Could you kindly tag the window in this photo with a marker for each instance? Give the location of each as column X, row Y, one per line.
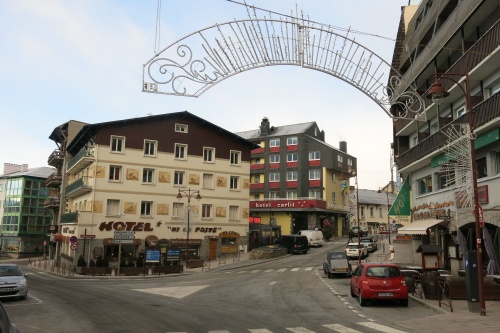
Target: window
column 146, row 208
column 180, row 151
column 274, row 143
column 178, row 210
column 482, row 169
column 380, row 212
column 372, row 212
column 206, row 211
column 274, row 158
column 362, row 213
column 334, row 177
column 497, row 161
column 315, row 194
column 495, row 88
column 274, row 177
column 292, row 141
column 117, row 144
column 235, row 157
column 349, row 161
column 255, row 179
column 113, row 207
column 460, row 111
column 234, row 182
column 434, row 127
column 314, row 155
column 274, row 195
column 292, row 176
column 340, row 158
column 149, row 148
column 314, row 174
column 334, row 197
column 424, row 185
column 181, row 128
column 148, row 175
column 208, row 154
column 208, row 180
column 292, row 157
column 115, row 173
column 234, row 213
column 179, row 178
column 443, row 178
column 291, row 194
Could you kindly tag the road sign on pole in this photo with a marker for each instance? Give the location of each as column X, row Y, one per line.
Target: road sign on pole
column 123, row 241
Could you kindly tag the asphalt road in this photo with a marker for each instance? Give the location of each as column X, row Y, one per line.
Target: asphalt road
column 291, row 294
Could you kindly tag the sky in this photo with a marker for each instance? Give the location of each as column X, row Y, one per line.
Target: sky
column 67, row 60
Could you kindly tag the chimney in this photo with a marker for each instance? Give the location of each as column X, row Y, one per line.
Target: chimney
column 343, row 146
column 264, row 126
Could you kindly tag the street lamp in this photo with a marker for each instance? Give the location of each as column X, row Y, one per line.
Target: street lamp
column 188, row 194
column 353, row 173
column 388, row 208
column 436, row 94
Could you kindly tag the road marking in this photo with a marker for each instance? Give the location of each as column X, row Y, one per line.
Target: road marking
column 295, row 269
column 299, row 330
column 261, row 330
column 381, row 328
column 309, row 268
column 274, row 282
column 269, row 270
column 341, row 328
column 281, row 270
column 218, row 331
column 175, row 292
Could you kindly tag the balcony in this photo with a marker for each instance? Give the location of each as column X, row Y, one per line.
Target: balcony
column 54, row 180
column 256, row 186
column 51, row 202
column 257, row 166
column 69, row 218
column 56, row 158
column 80, row 161
column 78, row 188
column 485, row 112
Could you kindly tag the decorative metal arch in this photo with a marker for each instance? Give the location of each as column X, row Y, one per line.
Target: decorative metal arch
column 223, row 50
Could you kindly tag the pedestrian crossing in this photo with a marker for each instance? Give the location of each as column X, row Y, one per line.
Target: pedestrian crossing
column 271, row 270
column 360, row 327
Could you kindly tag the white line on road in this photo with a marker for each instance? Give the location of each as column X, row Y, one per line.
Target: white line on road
column 281, row 270
column 262, row 330
column 341, row 328
column 308, row 268
column 295, row 269
column 381, row 328
column 269, row 270
column 274, row 282
column 299, row 330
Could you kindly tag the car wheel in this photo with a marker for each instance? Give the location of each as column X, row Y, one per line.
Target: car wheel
column 352, row 293
column 330, row 275
column 362, row 301
column 404, row 302
column 23, row 297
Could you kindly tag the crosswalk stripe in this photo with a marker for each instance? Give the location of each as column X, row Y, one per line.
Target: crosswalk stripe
column 255, row 271
column 381, row 328
column 309, row 268
column 260, row 330
column 269, row 270
column 281, row 270
column 218, row 331
column 341, row 328
column 295, row 269
column 299, row 330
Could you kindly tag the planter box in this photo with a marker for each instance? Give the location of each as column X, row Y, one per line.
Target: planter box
column 94, row 270
column 167, row 269
column 132, row 271
column 491, row 291
column 193, row 263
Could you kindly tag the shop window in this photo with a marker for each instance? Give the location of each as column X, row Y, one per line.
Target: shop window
column 482, row 169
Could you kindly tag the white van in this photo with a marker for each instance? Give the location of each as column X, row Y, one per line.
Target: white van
column 315, row 237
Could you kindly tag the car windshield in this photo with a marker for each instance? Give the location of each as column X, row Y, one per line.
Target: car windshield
column 10, row 271
column 383, row 272
column 366, row 241
column 334, row 256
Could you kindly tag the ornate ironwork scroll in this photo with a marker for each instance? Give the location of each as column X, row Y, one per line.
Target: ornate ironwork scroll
column 197, row 62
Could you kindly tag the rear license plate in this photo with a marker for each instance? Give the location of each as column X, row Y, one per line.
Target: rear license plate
column 341, row 269
column 385, row 294
column 7, row 289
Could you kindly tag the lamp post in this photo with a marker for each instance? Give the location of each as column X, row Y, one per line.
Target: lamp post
column 353, row 173
column 437, row 93
column 188, row 194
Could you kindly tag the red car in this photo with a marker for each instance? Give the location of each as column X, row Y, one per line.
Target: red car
column 379, row 281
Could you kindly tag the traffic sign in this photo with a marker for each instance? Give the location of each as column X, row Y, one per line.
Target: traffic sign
column 73, row 246
column 87, row 236
column 124, row 237
column 73, row 239
column 152, row 255
column 124, row 241
column 124, row 233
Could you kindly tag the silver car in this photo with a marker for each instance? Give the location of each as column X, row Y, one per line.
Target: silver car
column 12, row 282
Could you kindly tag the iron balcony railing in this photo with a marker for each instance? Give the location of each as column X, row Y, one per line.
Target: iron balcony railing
column 80, row 161
column 69, row 217
column 78, row 187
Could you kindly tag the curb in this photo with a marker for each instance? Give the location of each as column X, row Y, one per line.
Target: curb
column 434, row 308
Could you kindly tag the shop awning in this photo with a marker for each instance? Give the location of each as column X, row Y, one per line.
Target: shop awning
column 418, row 227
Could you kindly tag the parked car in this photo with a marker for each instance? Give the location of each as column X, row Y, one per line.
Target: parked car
column 356, row 250
column 371, row 243
column 12, row 282
column 378, row 281
column 336, row 263
column 362, row 233
column 294, row 243
column 315, row 237
column 6, row 326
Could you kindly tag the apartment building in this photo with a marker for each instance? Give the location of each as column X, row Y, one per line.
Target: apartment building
column 457, row 41
column 25, row 223
column 172, row 180
column 297, row 181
